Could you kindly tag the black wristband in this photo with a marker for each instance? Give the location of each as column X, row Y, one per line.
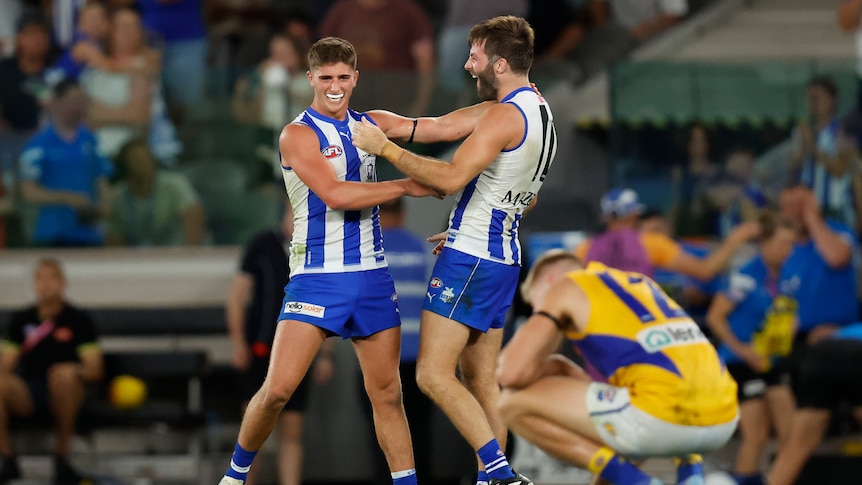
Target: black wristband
column 552, row 318
column 413, row 133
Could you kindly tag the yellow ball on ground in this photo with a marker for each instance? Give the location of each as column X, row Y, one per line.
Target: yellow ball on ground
column 127, row 392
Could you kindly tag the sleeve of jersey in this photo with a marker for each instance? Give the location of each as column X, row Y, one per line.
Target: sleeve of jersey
column 661, row 250
column 30, row 162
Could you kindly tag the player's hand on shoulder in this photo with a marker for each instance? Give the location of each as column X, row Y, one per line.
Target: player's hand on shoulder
column 368, row 137
column 415, row 189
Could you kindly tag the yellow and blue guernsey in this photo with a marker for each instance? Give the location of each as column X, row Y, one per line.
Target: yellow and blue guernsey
column 642, row 340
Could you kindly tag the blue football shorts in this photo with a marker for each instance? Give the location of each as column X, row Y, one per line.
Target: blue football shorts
column 351, row 305
column 473, row 291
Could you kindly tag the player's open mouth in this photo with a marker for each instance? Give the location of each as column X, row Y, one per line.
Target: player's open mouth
column 335, row 97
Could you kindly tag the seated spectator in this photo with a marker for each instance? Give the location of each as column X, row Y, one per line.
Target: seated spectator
column 819, row 274
column 395, row 41
column 91, row 33
column 754, row 324
column 692, row 214
column 822, row 157
column 829, row 377
column 623, row 246
column 153, row 206
column 735, row 194
column 64, row 174
column 181, row 29
column 123, row 87
column 21, row 83
column 50, row 352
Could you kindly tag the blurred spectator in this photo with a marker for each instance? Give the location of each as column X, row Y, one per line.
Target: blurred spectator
column 828, row 380
column 850, row 20
column 407, row 256
column 278, row 90
column 10, row 11
column 238, row 30
column 91, row 32
column 735, row 194
column 558, row 28
column 624, row 247
column 50, row 352
column 754, row 325
column 7, row 205
column 691, row 293
column 63, row 172
column 64, row 15
column 452, row 44
column 642, row 20
column 180, row 26
column 691, row 214
column 819, row 273
column 395, row 41
column 272, row 96
column 126, row 98
column 21, row 83
column 252, row 308
column 299, row 25
column 828, row 163
column 153, row 206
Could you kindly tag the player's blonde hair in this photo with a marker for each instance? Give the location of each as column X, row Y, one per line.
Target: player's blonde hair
column 506, row 37
column 331, row 50
column 546, row 260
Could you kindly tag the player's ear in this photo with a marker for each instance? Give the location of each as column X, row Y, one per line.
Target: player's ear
column 308, row 75
column 355, row 76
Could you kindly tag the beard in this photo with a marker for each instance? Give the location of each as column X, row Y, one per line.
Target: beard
column 488, row 85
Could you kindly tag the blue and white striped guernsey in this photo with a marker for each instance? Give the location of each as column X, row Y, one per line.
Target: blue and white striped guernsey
column 327, row 240
column 484, row 222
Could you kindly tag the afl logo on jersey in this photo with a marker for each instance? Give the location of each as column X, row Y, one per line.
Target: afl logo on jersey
column 332, row 151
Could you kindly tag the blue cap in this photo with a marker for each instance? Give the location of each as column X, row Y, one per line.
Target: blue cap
column 621, row 203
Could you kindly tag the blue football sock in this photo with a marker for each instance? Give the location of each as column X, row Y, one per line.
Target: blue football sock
column 496, row 464
column 691, row 466
column 240, row 463
column 753, row 479
column 406, row 477
column 612, row 468
column 481, row 478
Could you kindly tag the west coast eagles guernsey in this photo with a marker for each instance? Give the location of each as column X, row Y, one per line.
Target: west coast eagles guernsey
column 327, row 240
column 484, row 222
column 642, row 340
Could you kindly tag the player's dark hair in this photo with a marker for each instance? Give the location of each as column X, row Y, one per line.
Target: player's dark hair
column 331, row 50
column 506, row 37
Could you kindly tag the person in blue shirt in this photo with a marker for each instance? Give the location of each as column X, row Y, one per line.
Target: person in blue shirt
column 408, row 258
column 91, row 33
column 829, row 376
column 62, row 172
column 739, row 316
column 819, row 274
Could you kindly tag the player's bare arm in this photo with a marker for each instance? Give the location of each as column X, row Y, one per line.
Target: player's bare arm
column 449, row 127
column 501, row 127
column 525, row 359
column 299, row 149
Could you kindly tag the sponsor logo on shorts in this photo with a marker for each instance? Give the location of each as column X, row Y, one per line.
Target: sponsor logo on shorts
column 436, row 282
column 430, row 296
column 448, row 295
column 607, row 395
column 304, row 309
column 660, row 337
column 332, row 151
